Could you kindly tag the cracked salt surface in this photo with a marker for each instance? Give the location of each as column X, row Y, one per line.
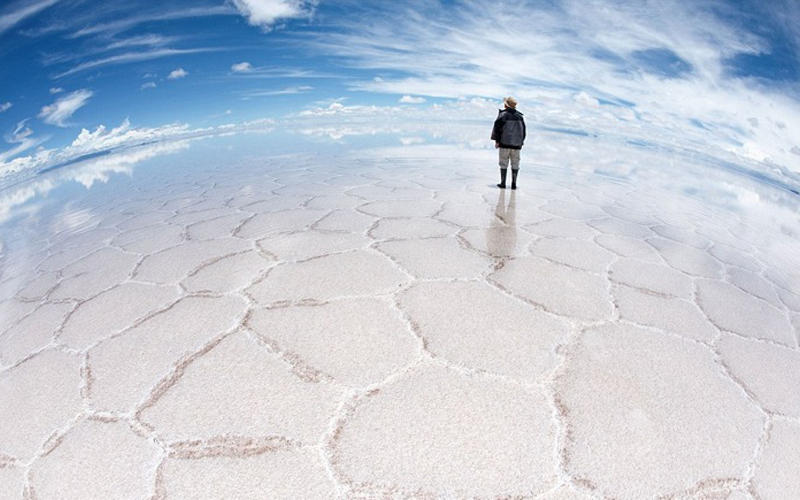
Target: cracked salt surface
column 380, row 324
column 446, row 435
column 773, row 478
column 558, row 288
column 125, row 462
column 281, row 473
column 622, row 396
column 356, row 342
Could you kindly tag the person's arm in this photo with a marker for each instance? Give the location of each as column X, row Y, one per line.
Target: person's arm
column 497, row 130
column 523, row 130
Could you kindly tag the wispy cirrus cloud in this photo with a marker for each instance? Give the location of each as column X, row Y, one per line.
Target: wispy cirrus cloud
column 22, row 136
column 21, row 132
column 102, row 45
column 670, row 61
column 147, row 40
column 273, row 92
column 5, row 106
column 131, row 57
column 265, row 13
column 63, row 108
column 575, row 43
column 245, row 70
column 131, row 21
column 19, row 11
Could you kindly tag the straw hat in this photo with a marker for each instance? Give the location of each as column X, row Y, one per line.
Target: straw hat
column 510, row 102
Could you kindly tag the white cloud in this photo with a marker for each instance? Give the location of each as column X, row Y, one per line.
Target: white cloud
column 56, row 90
column 407, row 99
column 22, row 136
column 271, row 92
column 177, row 73
column 5, row 106
column 242, row 67
column 265, row 73
column 265, row 13
column 411, row 124
column 87, row 173
column 554, row 118
column 103, row 139
column 127, row 23
column 20, row 11
column 83, row 53
column 586, row 100
column 61, row 110
column 20, row 133
column 148, row 85
column 134, row 57
column 148, row 40
column 453, row 51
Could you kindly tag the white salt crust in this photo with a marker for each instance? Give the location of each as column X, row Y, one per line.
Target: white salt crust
column 379, row 330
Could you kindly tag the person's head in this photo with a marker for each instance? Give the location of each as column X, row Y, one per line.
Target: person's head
column 510, row 102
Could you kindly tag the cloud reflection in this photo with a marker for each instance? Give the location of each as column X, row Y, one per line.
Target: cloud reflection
column 87, row 173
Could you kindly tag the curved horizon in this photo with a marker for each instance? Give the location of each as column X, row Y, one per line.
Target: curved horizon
column 719, row 76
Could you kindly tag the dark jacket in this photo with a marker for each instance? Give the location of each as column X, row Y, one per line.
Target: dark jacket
column 509, row 129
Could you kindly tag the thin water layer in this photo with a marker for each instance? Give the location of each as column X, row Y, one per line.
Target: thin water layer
column 235, row 315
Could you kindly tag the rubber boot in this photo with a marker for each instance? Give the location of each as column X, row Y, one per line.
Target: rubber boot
column 513, row 178
column 503, row 172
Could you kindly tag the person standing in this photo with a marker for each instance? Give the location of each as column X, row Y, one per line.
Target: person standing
column 508, row 135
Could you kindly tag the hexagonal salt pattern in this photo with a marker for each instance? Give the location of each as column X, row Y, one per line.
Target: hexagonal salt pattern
column 39, row 397
column 558, row 288
column 214, row 396
column 658, row 400
column 130, row 302
column 125, row 368
column 34, row 332
column 439, row 430
column 776, row 477
column 770, row 372
column 483, row 328
column 96, row 459
column 328, row 337
column 735, row 310
column 372, row 329
column 436, row 258
column 360, row 272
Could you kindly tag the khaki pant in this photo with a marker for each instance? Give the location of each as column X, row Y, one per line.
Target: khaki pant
column 509, row 154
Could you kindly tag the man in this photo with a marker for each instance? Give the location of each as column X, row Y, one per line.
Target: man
column 508, row 135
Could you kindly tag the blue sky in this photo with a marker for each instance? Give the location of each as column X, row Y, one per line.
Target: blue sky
column 69, row 65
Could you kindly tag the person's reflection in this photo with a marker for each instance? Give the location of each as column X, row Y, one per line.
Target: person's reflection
column 501, row 235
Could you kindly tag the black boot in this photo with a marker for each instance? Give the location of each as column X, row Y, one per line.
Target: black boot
column 503, row 172
column 513, row 178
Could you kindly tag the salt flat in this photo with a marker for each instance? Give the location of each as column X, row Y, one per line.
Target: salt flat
column 394, row 325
